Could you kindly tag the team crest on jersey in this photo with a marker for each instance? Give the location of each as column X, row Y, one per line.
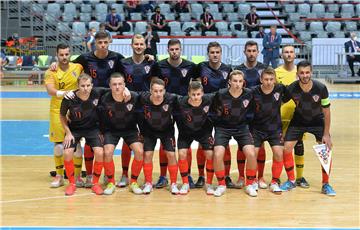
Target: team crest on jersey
column 246, row 103
column 129, row 106
column 206, row 109
column 147, row 69
column 277, row 96
column 95, row 102
column 165, row 107
column 316, row 98
column 111, row 64
column 184, row 72
column 225, row 74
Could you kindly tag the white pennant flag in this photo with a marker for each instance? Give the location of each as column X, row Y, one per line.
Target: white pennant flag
column 324, row 155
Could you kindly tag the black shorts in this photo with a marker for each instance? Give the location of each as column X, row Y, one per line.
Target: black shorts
column 92, row 137
column 295, row 133
column 205, row 139
column 241, row 135
column 129, row 137
column 274, row 138
column 167, row 140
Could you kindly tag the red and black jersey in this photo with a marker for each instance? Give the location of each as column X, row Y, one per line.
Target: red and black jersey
column 192, row 119
column 251, row 75
column 156, row 118
column 100, row 69
column 213, row 79
column 177, row 78
column 138, row 76
column 230, row 112
column 83, row 114
column 267, row 116
column 118, row 116
column 308, row 111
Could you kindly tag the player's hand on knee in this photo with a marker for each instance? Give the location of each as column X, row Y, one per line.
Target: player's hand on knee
column 69, row 95
column 68, row 140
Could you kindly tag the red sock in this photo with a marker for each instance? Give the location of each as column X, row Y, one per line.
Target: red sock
column 109, row 169
column 250, row 176
column 289, row 165
column 163, row 161
column 189, row 159
column 220, row 175
column 173, row 170
column 241, row 159
column 276, row 170
column 200, row 158
column 69, row 168
column 209, row 171
column 89, row 158
column 148, row 168
column 183, row 167
column 135, row 169
column 125, row 159
column 261, row 161
column 97, row 171
column 227, row 161
column 325, row 176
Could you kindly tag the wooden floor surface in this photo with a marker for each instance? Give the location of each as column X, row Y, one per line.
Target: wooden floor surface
column 26, row 199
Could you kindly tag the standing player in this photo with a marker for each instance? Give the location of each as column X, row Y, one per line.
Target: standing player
column 138, row 71
column 286, row 74
column 157, row 122
column 118, row 120
column 230, row 107
column 194, row 125
column 252, row 70
column 312, row 114
column 214, row 76
column 176, row 73
column 84, row 123
column 266, row 125
column 57, row 82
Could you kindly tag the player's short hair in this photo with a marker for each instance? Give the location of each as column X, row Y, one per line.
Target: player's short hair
column 251, row 43
column 195, row 85
column 102, row 25
column 213, row 44
column 61, row 46
column 287, row 45
column 84, row 76
column 136, row 36
column 173, row 41
column 252, row 7
column 101, row 35
column 157, row 81
column 117, row 75
column 269, row 71
column 235, row 72
column 303, row 64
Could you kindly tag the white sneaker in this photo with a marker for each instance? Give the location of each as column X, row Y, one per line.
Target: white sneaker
column 255, row 185
column 147, row 188
column 57, row 182
column 262, row 184
column 110, row 189
column 185, row 189
column 124, row 181
column 220, row 190
column 250, row 190
column 88, row 182
column 209, row 189
column 275, row 188
column 134, row 187
column 240, row 183
column 174, row 189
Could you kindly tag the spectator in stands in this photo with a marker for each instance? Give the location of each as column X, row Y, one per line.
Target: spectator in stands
column 252, row 21
column 102, row 28
column 271, row 44
column 207, row 22
column 13, row 40
column 261, row 33
column 151, row 38
column 132, row 6
column 114, row 23
column 90, row 39
column 158, row 21
column 353, row 48
column 181, row 6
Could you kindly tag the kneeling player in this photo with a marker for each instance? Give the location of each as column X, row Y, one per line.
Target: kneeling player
column 194, row 125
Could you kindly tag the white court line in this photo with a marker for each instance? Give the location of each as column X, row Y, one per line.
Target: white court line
column 235, row 170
